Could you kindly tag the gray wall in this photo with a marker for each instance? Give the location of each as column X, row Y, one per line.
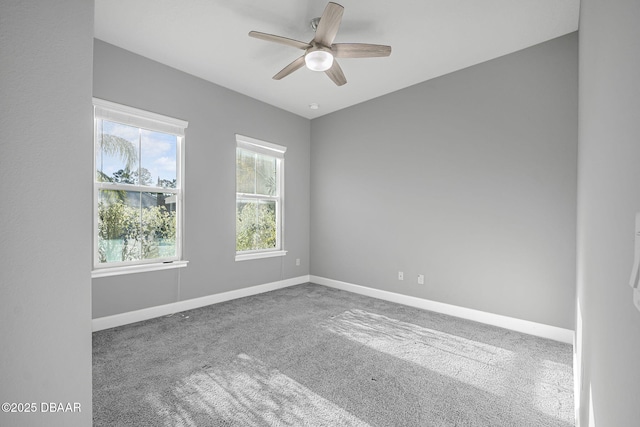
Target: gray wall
column 45, row 130
column 215, row 115
column 469, row 179
column 608, row 198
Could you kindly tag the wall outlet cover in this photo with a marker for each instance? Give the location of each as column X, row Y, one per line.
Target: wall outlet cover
column 636, row 298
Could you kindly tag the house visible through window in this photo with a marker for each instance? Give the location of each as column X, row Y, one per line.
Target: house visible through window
column 259, row 198
column 137, row 187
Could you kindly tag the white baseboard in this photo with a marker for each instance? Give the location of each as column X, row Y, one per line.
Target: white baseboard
column 524, row 326
column 176, row 307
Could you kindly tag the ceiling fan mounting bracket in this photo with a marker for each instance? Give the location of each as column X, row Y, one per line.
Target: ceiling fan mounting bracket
column 314, row 23
column 317, row 46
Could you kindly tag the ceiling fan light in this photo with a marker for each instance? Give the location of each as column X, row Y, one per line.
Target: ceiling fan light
column 318, row 60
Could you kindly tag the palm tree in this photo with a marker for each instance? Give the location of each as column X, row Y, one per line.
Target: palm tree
column 116, row 146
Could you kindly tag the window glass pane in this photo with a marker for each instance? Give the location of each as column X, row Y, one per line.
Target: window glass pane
column 116, row 152
column 136, row 226
column 245, row 171
column 158, row 159
column 255, row 225
column 266, row 234
column 118, row 226
column 266, row 175
column 245, row 222
column 158, row 236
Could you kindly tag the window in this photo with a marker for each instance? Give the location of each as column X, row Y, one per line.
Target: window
column 259, row 198
column 137, row 190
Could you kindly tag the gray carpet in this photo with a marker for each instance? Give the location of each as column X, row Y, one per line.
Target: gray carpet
column 309, row 355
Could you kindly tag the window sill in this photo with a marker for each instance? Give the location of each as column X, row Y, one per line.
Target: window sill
column 129, row 269
column 259, row 255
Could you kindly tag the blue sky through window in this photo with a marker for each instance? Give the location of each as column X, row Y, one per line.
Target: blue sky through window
column 156, row 151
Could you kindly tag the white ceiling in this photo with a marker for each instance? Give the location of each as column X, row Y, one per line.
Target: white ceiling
column 429, row 38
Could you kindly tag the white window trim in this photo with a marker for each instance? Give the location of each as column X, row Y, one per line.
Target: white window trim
column 139, row 118
column 112, row 111
column 275, row 150
column 141, row 268
column 245, row 256
column 263, row 147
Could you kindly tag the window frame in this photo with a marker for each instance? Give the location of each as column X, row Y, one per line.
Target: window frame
column 277, row 151
column 130, row 116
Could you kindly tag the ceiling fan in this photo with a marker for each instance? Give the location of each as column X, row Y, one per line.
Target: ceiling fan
column 320, row 52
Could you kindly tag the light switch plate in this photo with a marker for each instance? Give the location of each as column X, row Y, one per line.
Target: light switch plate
column 636, row 298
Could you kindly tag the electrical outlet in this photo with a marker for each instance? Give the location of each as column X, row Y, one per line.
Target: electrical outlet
column 297, row 261
column 636, row 298
column 420, row 279
column 400, row 275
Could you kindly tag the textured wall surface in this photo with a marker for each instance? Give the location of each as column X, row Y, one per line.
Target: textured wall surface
column 469, row 179
column 45, row 166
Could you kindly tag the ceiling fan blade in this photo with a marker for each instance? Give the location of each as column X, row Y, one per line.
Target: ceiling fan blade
column 360, row 50
column 335, row 73
column 329, row 24
column 279, row 39
column 295, row 65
